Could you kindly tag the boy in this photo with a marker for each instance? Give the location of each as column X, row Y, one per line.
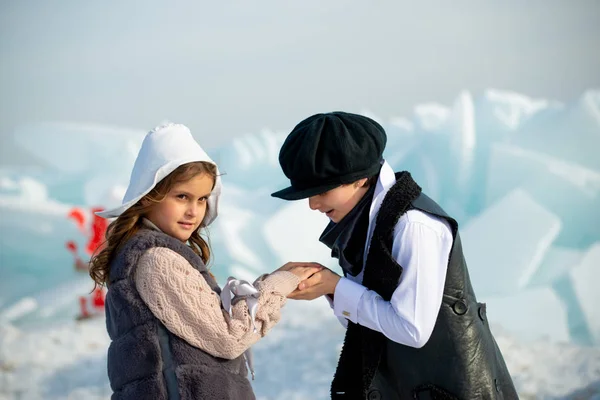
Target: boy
column 414, row 327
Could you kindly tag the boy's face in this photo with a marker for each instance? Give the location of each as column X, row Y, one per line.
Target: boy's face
column 181, row 212
column 337, row 203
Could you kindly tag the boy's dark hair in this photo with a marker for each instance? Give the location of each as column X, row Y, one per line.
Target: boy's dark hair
column 372, row 181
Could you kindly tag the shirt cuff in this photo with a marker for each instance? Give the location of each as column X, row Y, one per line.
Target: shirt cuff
column 346, row 300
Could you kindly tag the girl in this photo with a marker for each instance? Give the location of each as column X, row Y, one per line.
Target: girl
column 171, row 337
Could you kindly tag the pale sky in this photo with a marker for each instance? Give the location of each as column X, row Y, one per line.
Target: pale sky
column 233, row 67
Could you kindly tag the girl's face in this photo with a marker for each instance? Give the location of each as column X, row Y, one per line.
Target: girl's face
column 182, row 210
column 338, row 202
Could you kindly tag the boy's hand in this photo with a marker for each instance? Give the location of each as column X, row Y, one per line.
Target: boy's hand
column 302, row 270
column 322, row 282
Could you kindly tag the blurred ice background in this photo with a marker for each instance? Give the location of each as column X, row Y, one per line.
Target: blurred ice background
column 519, row 169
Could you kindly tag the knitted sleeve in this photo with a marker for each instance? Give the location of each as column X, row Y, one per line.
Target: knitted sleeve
column 182, row 300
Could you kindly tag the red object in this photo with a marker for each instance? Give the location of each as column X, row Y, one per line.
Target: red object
column 79, row 264
column 78, row 216
column 83, row 307
column 99, row 226
column 95, row 234
column 98, row 298
column 72, row 247
column 95, row 239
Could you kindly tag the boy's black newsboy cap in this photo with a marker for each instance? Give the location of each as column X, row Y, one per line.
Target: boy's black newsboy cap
column 328, row 150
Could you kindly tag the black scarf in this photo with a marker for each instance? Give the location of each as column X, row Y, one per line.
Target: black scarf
column 363, row 347
column 346, row 239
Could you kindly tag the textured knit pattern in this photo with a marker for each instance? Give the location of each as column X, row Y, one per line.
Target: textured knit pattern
column 182, row 300
column 145, row 360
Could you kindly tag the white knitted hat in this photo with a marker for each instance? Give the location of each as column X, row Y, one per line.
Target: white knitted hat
column 164, row 148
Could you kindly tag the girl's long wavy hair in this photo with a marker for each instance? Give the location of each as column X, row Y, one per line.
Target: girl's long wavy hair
column 129, row 222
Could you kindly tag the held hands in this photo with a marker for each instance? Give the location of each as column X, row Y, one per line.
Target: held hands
column 322, row 282
column 302, row 270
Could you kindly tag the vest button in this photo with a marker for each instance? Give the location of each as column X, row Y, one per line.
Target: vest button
column 497, row 384
column 460, row 307
column 374, row 395
column 481, row 312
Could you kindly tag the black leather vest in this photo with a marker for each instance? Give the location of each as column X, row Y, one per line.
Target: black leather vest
column 461, row 360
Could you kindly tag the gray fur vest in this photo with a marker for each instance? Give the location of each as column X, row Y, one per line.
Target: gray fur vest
column 145, row 360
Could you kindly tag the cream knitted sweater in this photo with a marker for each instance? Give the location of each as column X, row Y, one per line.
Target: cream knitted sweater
column 182, row 300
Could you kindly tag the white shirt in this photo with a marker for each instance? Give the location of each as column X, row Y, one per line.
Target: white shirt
column 422, row 245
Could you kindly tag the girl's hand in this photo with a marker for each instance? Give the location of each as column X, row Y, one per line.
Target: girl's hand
column 323, row 282
column 302, row 270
